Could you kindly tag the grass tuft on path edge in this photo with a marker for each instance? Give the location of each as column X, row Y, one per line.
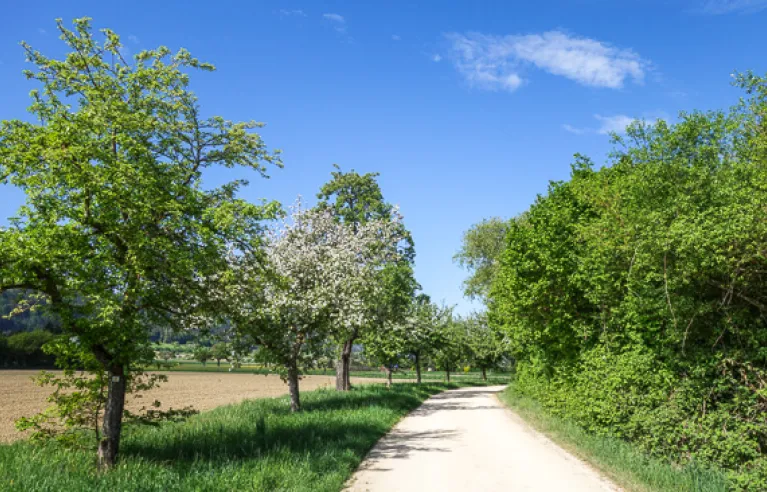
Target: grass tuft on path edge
column 253, row 445
column 618, row 460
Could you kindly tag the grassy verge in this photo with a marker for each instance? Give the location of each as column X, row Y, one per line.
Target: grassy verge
column 626, row 465
column 253, row 445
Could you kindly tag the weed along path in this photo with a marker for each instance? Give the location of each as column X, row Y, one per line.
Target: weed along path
column 467, row 440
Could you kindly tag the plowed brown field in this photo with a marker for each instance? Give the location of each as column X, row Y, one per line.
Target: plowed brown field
column 20, row 396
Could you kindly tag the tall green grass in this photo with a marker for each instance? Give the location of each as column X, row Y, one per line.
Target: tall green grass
column 253, row 445
column 619, row 460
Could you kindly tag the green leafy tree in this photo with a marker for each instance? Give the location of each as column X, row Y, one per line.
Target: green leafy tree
column 486, row 348
column 423, row 333
column 317, row 275
column 481, row 249
column 451, row 345
column 633, row 295
column 355, row 200
column 117, row 234
column 26, row 348
column 221, row 351
column 202, row 354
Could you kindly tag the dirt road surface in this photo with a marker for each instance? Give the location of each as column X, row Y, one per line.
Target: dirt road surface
column 466, row 440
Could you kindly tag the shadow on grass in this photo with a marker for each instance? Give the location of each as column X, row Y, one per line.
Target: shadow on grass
column 330, row 424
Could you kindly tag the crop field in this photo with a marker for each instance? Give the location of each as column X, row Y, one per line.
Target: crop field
column 20, row 396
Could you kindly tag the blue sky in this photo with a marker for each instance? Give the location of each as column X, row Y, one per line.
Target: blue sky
column 467, row 109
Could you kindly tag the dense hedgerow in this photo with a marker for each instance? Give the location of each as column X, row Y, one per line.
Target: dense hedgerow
column 635, row 296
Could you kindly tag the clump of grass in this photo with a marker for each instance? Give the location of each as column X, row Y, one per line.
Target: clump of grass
column 622, row 462
column 253, row 445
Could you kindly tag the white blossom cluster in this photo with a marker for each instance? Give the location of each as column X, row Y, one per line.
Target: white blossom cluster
column 318, row 276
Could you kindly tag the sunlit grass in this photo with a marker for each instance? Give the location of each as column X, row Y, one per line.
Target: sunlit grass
column 254, row 445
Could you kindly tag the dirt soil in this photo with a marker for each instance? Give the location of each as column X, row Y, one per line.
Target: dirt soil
column 465, row 439
column 19, row 396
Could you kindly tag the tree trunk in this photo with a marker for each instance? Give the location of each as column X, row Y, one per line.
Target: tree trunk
column 109, row 445
column 388, row 376
column 447, row 373
column 417, row 369
column 218, row 362
column 295, row 400
column 484, row 374
column 342, row 367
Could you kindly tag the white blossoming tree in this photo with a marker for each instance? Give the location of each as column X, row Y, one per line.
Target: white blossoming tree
column 317, row 276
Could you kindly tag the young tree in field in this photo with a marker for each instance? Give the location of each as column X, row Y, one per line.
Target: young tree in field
column 480, row 254
column 316, row 276
column 386, row 346
column 203, row 355
column 423, row 334
column 220, row 351
column 451, row 345
column 117, row 233
column 485, row 346
column 355, row 200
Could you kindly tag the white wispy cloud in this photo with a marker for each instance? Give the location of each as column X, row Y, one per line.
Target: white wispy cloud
column 576, row 130
column 338, row 20
column 335, row 18
column 497, row 62
column 607, row 124
column 613, row 124
column 395, row 37
column 41, row 30
column 297, row 12
column 718, row 7
column 436, row 58
column 133, row 39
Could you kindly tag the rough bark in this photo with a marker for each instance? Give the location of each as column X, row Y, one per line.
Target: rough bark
column 295, row 399
column 388, row 377
column 109, row 446
column 342, row 366
column 447, row 374
column 484, row 374
column 417, row 368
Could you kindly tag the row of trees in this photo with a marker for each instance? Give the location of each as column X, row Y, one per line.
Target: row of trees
column 633, row 296
column 118, row 240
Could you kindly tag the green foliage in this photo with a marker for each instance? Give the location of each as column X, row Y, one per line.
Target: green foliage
column 202, row 354
column 25, row 349
column 622, row 462
column 80, row 395
column 481, row 250
column 633, row 296
column 220, row 351
column 486, row 348
column 451, row 347
column 117, row 235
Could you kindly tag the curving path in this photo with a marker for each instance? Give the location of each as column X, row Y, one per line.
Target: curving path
column 466, row 440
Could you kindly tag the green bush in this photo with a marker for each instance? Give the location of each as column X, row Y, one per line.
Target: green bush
column 634, row 297
column 25, row 350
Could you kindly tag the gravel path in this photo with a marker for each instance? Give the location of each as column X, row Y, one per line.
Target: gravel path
column 466, row 440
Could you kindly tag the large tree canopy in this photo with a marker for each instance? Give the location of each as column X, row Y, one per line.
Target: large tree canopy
column 355, row 200
column 316, row 279
column 480, row 254
column 117, row 233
